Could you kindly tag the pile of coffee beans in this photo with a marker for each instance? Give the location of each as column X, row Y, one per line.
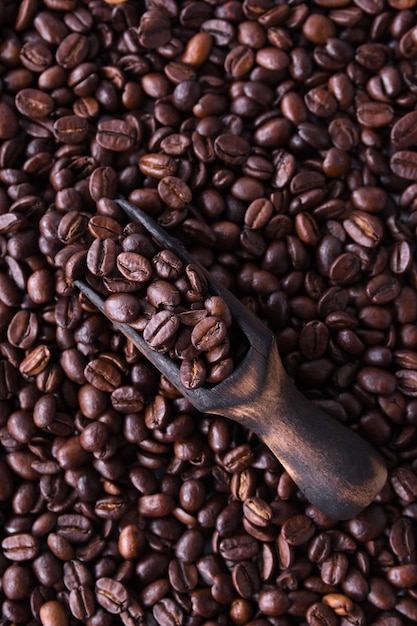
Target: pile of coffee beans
column 277, row 140
column 167, row 301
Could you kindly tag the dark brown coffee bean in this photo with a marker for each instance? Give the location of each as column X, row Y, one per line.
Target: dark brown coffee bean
column 103, row 375
column 208, row 334
column 319, row 613
column 116, row 135
column 53, row 612
column 192, row 373
column 103, row 183
column 297, row 530
column 122, row 307
column 404, row 131
column 334, row 568
column 320, row 102
column 71, row 129
column 104, row 227
column 127, row 399
column 36, row 361
column 20, row 547
column 314, row 339
column 72, row 51
column 157, row 165
column 156, row 505
column 383, row 289
column 154, row 29
column 174, row 192
column 111, row 595
column 364, row 229
column 23, row 329
column 245, row 579
column 167, row 612
column 34, row 103
column 101, row 257
column 374, row 114
column 182, row 576
column 257, row 511
column 134, row 266
column 404, row 164
column 407, row 382
column 231, row 149
column 238, row 548
column 161, row 330
column 273, row 602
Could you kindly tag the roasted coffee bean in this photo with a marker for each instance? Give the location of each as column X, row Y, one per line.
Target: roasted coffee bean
column 122, row 307
column 297, row 530
column 20, row 547
column 71, row 129
column 374, row 114
column 101, row 257
column 174, row 192
column 238, row 548
column 53, row 612
column 111, row 595
column 72, row 51
column 320, row 613
column 208, row 333
column 161, row 330
column 404, row 131
column 116, row 135
column 404, row 164
column 134, row 266
column 103, row 375
column 33, row 103
column 157, row 165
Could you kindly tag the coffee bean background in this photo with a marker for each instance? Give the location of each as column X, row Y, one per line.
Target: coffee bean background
column 277, row 140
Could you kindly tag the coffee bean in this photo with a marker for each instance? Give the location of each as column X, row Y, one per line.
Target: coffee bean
column 20, row 547
column 374, row 114
column 192, row 373
column 122, row 307
column 403, row 131
column 297, row 530
column 156, row 505
column 54, row 613
column 103, row 183
column 364, row 229
column 104, row 227
column 72, row 50
column 111, row 595
column 161, row 330
column 403, row 164
column 102, row 374
column 157, row 165
column 238, row 548
column 33, row 103
column 101, row 257
column 231, row 149
column 208, row 333
column 71, row 129
column 154, row 29
column 320, row 613
column 116, row 135
column 274, row 602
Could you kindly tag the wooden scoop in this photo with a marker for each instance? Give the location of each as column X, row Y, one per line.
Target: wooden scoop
column 337, row 471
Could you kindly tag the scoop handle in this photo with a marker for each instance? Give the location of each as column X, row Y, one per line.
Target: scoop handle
column 336, row 469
